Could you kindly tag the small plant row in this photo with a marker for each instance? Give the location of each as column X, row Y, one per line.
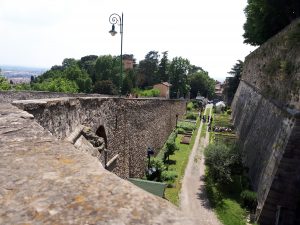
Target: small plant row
column 158, row 167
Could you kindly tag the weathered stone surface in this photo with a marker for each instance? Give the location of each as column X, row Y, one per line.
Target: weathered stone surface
column 47, row 181
column 9, row 96
column 274, row 68
column 131, row 125
column 266, row 109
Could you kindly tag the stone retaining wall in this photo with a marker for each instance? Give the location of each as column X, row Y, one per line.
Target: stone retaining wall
column 9, row 96
column 131, row 125
column 265, row 111
column 47, row 181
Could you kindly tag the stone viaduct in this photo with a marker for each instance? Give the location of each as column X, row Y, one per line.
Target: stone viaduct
column 54, row 150
column 266, row 114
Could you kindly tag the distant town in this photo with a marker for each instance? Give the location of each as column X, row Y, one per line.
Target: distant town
column 19, row 74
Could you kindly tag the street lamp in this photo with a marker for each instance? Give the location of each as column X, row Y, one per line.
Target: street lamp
column 150, row 152
column 117, row 19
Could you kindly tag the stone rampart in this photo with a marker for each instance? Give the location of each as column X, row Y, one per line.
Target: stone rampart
column 9, row 96
column 48, row 181
column 131, row 125
column 264, row 111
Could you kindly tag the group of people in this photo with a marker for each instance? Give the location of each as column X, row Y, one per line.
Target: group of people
column 205, row 118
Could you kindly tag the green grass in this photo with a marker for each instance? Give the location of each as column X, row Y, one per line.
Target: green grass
column 225, row 201
column 179, row 162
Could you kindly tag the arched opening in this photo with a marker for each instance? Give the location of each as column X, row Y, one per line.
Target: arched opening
column 101, row 133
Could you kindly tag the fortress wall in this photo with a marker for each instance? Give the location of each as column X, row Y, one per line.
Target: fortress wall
column 131, row 125
column 9, row 96
column 48, row 181
column 264, row 111
column 263, row 130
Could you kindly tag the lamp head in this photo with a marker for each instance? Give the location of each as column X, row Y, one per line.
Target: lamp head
column 112, row 31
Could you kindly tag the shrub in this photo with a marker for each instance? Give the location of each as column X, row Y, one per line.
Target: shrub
column 171, row 145
column 180, row 131
column 169, row 176
column 156, row 168
column 148, row 93
column 186, row 126
column 191, row 116
column 223, row 162
column 190, row 106
column 229, row 111
column 249, row 199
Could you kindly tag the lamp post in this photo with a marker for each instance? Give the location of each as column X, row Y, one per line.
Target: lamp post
column 149, row 153
column 117, row 19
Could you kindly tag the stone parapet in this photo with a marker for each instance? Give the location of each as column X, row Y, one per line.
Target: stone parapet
column 131, row 125
column 45, row 180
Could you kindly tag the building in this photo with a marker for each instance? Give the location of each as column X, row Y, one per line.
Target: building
column 164, row 89
column 128, row 62
column 219, row 90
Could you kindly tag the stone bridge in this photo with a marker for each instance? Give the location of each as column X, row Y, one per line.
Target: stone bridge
column 48, row 171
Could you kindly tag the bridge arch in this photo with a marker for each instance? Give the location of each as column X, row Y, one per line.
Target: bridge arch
column 101, row 133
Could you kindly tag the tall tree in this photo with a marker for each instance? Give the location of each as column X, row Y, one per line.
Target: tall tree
column 148, row 70
column 107, row 67
column 233, row 82
column 88, row 63
column 200, row 82
column 178, row 71
column 265, row 18
column 163, row 67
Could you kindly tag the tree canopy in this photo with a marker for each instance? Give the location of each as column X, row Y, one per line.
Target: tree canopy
column 265, row 18
column 101, row 74
column 233, row 82
column 201, row 83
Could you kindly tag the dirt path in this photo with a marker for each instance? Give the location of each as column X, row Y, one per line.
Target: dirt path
column 193, row 197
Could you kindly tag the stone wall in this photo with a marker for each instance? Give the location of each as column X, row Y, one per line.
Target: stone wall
column 9, row 96
column 274, row 68
column 265, row 111
column 131, row 125
column 47, row 181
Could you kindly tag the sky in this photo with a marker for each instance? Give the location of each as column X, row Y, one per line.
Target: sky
column 41, row 33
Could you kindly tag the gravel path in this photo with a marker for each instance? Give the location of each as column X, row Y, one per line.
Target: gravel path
column 193, row 198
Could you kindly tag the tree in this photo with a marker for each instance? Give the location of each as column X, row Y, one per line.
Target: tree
column 81, row 78
column 88, row 63
column 58, row 84
column 201, row 83
column 148, row 70
column 68, row 62
column 223, row 162
column 163, row 67
column 4, row 84
column 265, row 18
column 107, row 67
column 105, row 87
column 178, row 71
column 232, row 83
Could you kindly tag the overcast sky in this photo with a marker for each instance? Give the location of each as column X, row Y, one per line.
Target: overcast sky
column 41, row 33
